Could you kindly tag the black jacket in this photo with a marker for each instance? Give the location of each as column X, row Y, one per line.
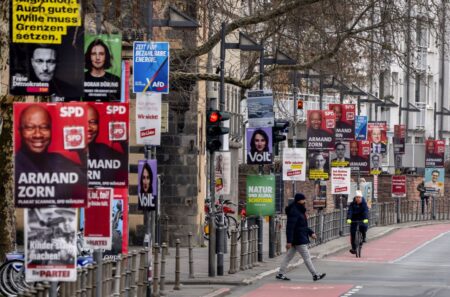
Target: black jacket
column 297, row 230
column 358, row 212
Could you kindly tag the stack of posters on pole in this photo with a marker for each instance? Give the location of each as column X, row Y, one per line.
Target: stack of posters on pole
column 345, row 121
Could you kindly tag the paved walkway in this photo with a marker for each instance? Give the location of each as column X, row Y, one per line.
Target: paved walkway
column 202, row 285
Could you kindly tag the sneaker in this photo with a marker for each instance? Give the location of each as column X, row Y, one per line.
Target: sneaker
column 282, row 277
column 319, row 276
column 352, row 251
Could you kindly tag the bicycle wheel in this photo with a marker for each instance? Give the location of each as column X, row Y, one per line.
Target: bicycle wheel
column 16, row 274
column 358, row 242
column 6, row 288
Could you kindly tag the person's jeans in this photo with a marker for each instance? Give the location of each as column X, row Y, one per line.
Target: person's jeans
column 304, row 252
column 362, row 228
column 424, row 200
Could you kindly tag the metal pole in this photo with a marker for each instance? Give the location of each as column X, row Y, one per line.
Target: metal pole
column 54, row 289
column 320, row 91
column 434, row 120
column 261, row 67
column 98, row 257
column 271, row 237
column 442, row 74
column 212, row 223
column 408, row 68
column 294, row 131
column 260, row 238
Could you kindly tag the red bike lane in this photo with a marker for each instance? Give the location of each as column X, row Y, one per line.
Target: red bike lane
column 299, row 290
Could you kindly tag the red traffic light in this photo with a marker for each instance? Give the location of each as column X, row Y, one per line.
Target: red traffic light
column 214, row 117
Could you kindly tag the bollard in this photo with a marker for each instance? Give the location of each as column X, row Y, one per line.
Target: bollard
column 155, row 270
column 250, row 248
column 142, row 274
column 191, row 256
column 162, row 277
column 177, row 265
column 279, row 228
column 117, row 272
column 244, row 239
column 90, row 281
column 133, row 274
column 83, row 276
column 166, row 230
column 256, row 245
column 272, row 240
column 233, row 252
column 40, row 289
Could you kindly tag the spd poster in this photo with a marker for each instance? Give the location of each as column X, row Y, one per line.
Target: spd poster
column 345, row 121
column 360, row 156
column 320, row 130
column 46, row 49
column 151, row 67
column 147, row 185
column 434, row 153
column 50, row 244
column 98, row 227
column 260, row 195
column 49, row 147
column 148, row 118
column 294, row 164
column 399, row 139
column 102, row 63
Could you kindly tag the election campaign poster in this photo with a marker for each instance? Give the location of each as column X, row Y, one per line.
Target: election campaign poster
column 377, row 137
column 147, row 185
column 151, row 67
column 148, row 118
column 398, row 186
column 102, row 67
column 97, row 217
column 294, row 164
column 434, row 182
column 259, row 145
column 319, row 167
column 399, row 139
column 340, row 181
column 434, row 153
column 320, row 130
column 345, row 121
column 360, row 156
column 222, row 172
column 320, row 194
column 260, row 108
column 260, row 195
column 108, row 144
column 340, row 157
column 49, row 149
column 125, row 82
column 361, row 128
column 46, row 49
column 50, row 244
column 119, row 218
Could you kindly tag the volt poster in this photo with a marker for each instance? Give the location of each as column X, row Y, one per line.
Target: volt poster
column 147, row 186
column 260, row 195
column 151, row 67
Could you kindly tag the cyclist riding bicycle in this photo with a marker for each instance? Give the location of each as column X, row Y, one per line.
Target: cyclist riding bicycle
column 358, row 213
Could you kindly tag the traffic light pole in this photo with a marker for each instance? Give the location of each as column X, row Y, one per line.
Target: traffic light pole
column 212, row 223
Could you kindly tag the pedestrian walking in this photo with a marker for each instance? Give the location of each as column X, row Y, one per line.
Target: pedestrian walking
column 297, row 237
column 423, row 197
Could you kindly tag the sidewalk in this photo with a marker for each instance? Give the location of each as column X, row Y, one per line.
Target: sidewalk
column 203, row 285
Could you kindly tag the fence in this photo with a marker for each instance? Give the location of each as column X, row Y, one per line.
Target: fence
column 128, row 275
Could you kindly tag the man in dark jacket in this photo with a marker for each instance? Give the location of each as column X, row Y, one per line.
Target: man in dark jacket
column 423, row 197
column 359, row 212
column 297, row 237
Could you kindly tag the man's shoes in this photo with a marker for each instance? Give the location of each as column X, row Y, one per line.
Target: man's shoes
column 319, row 276
column 352, row 251
column 364, row 240
column 282, row 277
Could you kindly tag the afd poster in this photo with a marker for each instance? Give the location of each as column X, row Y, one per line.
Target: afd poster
column 98, row 226
column 108, row 144
column 259, row 145
column 151, row 67
column 222, row 172
column 294, row 164
column 320, row 130
column 361, row 128
column 260, row 108
column 49, row 148
column 46, row 49
column 345, row 121
column 50, row 244
column 147, row 184
column 102, row 63
column 148, row 118
column 260, row 195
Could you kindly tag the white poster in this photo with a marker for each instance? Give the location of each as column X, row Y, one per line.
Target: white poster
column 340, row 180
column 260, row 108
column 294, row 164
column 148, row 118
column 222, row 164
column 50, row 244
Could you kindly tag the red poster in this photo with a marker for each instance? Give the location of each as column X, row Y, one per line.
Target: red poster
column 434, row 153
column 345, row 121
column 97, row 226
column 377, row 137
column 108, row 144
column 359, row 156
column 398, row 186
column 119, row 219
column 49, row 147
column 320, row 134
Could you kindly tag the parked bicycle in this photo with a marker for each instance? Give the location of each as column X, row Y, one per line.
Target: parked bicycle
column 223, row 217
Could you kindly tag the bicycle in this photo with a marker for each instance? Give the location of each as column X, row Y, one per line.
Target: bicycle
column 358, row 238
column 222, row 214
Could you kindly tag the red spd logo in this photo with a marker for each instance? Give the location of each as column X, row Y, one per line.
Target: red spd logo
column 73, row 138
column 117, row 131
column 350, row 116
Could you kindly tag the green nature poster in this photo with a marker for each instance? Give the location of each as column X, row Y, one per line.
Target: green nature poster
column 260, row 195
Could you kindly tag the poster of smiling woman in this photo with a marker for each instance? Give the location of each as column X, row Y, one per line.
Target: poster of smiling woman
column 259, row 145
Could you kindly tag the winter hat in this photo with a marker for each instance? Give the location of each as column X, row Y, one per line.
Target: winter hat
column 299, row 196
column 358, row 193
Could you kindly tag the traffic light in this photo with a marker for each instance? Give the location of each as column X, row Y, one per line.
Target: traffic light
column 300, row 104
column 214, row 130
column 278, row 128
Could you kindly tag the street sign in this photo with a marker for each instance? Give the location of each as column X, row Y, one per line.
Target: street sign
column 151, row 67
column 398, row 186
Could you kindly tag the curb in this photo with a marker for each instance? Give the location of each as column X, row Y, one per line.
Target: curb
column 219, row 293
